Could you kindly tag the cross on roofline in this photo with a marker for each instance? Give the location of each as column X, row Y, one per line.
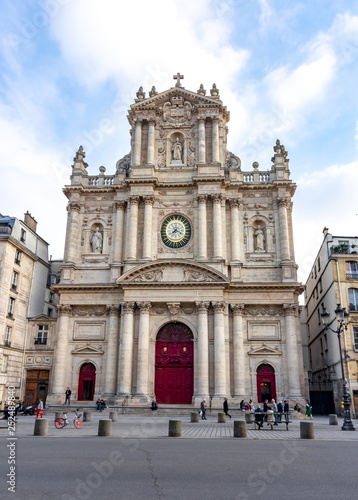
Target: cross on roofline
column 178, row 77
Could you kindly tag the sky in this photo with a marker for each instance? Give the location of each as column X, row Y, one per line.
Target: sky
column 70, row 69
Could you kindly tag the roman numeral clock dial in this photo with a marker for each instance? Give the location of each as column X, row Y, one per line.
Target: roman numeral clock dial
column 175, row 231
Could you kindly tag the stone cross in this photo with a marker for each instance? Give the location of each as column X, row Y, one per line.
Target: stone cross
column 178, row 77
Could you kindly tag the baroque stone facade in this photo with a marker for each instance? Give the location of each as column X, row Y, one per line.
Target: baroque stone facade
column 179, row 280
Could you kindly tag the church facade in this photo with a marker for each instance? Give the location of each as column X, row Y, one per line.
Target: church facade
column 179, row 280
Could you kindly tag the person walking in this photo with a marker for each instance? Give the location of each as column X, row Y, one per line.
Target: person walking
column 226, row 407
column 279, row 410
column 40, row 409
column 203, row 409
column 309, row 410
column 286, row 409
column 274, row 409
column 68, row 396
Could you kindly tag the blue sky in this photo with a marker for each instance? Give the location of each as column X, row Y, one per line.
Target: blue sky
column 69, row 70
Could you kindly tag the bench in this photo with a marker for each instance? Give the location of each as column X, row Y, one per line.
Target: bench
column 260, row 421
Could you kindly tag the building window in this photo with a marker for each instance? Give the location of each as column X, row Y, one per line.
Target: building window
column 42, row 333
column 49, row 312
column 17, row 257
column 7, row 338
column 353, row 299
column 355, row 337
column 351, row 270
column 11, row 308
column 15, row 276
column 5, row 359
column 319, row 263
column 23, row 235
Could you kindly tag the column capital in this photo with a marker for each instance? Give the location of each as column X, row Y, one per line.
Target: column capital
column 217, row 198
column 144, row 307
column 148, row 200
column 290, row 309
column 219, row 307
column 202, row 198
column 134, row 200
column 234, row 203
column 128, row 307
column 64, row 309
column 73, row 206
column 112, row 310
column 237, row 309
column 202, row 306
column 120, row 205
column 283, row 202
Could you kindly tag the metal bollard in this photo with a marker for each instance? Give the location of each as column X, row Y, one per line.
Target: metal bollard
column 105, row 428
column 41, row 427
column 87, row 416
column 333, row 419
column 194, row 417
column 221, row 418
column 240, row 429
column 306, row 430
column 113, row 416
column 175, row 427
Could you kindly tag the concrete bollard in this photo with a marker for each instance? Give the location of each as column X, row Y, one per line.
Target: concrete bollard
column 41, row 427
column 240, row 429
column 105, row 428
column 306, row 430
column 87, row 416
column 113, row 416
column 175, row 427
column 194, row 417
column 333, row 419
column 58, row 414
column 221, row 418
column 249, row 417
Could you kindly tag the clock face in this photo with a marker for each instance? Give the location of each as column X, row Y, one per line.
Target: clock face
column 176, row 231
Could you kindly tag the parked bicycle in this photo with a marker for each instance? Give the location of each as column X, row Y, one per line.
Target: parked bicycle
column 62, row 422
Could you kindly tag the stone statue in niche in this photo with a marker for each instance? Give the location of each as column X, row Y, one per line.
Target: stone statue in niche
column 259, row 237
column 177, row 150
column 96, row 241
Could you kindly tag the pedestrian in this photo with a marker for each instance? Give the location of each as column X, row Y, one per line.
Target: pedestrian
column 274, row 409
column 39, row 409
column 279, row 410
column 203, row 409
column 68, row 396
column 251, row 405
column 308, row 410
column 265, row 408
column 242, row 404
column 286, row 409
column 226, row 407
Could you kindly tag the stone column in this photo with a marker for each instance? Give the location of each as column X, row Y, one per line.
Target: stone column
column 235, row 241
column 112, row 351
column 202, row 153
column 202, row 365
column 126, row 350
column 202, row 229
column 151, row 142
column 143, row 348
column 215, row 140
column 61, row 364
column 217, row 223
column 293, row 370
column 72, row 232
column 133, row 228
column 118, row 230
column 148, row 227
column 284, row 237
column 219, row 349
column 238, row 350
column 137, row 142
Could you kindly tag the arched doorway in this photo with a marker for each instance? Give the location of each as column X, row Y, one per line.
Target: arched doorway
column 174, row 364
column 266, row 384
column 86, row 382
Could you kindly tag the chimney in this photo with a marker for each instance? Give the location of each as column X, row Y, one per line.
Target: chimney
column 30, row 221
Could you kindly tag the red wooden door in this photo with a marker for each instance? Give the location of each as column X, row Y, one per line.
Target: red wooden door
column 266, row 384
column 174, row 366
column 86, row 382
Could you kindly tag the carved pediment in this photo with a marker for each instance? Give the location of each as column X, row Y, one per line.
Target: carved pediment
column 172, row 272
column 175, row 94
column 264, row 350
column 41, row 318
column 87, row 349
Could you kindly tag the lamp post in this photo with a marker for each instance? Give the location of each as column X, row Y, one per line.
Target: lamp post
column 342, row 317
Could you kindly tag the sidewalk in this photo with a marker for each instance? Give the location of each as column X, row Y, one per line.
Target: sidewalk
column 142, row 427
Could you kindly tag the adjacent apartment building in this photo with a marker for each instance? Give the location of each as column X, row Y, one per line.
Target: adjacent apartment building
column 333, row 280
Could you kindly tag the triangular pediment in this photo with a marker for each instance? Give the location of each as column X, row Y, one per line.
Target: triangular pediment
column 264, row 350
column 164, row 272
column 180, row 92
column 41, row 317
column 87, row 349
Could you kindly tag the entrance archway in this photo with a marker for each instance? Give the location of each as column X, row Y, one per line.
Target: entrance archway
column 174, row 364
column 86, row 382
column 266, row 384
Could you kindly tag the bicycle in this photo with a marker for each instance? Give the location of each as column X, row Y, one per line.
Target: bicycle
column 60, row 423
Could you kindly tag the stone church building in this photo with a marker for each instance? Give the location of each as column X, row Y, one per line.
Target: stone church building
column 179, row 278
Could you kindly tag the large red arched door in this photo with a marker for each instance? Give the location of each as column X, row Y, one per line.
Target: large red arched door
column 266, row 384
column 86, row 382
column 174, row 364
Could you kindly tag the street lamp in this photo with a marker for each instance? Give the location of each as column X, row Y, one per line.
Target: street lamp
column 342, row 317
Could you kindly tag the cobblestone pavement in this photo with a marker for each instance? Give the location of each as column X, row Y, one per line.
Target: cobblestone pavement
column 134, row 426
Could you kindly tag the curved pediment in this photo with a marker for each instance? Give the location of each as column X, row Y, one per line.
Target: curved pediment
column 172, row 272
